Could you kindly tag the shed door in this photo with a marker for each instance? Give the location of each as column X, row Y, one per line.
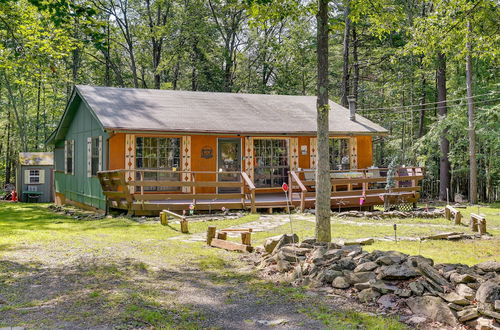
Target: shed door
column 229, row 160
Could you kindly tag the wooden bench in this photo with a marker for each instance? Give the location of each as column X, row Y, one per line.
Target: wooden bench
column 450, row 212
column 222, row 242
column 478, row 223
column 164, row 220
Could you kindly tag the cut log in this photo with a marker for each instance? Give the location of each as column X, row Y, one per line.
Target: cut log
column 246, row 238
column 210, row 234
column 184, row 226
column 231, row 246
column 163, row 218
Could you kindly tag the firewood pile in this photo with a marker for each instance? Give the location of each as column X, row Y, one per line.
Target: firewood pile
column 412, row 286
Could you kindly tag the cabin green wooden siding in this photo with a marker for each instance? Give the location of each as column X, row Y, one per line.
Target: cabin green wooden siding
column 78, row 186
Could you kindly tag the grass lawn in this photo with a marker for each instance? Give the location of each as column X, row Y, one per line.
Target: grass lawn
column 58, row 272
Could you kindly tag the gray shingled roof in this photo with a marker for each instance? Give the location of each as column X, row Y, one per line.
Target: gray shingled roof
column 183, row 111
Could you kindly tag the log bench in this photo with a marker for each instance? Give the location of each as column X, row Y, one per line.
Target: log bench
column 219, row 239
column 450, row 212
column 164, row 215
column 478, row 223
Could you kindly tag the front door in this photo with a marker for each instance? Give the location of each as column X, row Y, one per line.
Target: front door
column 229, row 160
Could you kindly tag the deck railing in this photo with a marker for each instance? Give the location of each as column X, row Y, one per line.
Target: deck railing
column 357, row 183
column 143, row 189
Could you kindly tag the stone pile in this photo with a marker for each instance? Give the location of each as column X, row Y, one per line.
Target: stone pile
column 379, row 215
column 446, row 293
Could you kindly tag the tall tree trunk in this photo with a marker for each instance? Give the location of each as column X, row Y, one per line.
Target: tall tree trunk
column 323, row 184
column 344, row 88
column 444, row 144
column 421, row 120
column 7, row 151
column 37, row 124
column 472, row 128
column 355, row 79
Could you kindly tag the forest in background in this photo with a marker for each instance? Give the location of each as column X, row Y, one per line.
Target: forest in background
column 407, row 62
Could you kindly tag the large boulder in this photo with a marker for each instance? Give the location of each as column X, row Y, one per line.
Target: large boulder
column 272, row 242
column 489, row 291
column 433, row 308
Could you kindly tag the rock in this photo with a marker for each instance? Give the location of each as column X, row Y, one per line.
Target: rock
column 340, row 283
column 415, row 320
column 433, row 308
column 397, row 272
column 328, row 275
column 388, row 301
column 317, row 256
column 360, row 241
column 492, row 314
column 455, row 298
column 333, row 254
column 368, row 295
column 271, row 323
column 295, row 250
column 489, row 266
column 415, row 260
column 361, row 277
column 417, row 288
column 344, row 263
column 465, row 278
column 362, row 286
column 464, row 291
column 283, row 266
column 489, row 291
column 467, row 314
column 497, row 305
column 455, row 307
column 383, row 287
column 310, row 241
column 387, row 260
column 404, row 293
column 366, row 267
column 350, row 248
column 483, row 323
column 428, row 271
column 272, row 242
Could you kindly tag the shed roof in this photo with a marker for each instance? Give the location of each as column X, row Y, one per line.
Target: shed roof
column 209, row 112
column 36, row 158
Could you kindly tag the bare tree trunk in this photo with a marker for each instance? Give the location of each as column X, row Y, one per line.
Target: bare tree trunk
column 323, row 184
column 37, row 124
column 444, row 144
column 355, row 80
column 472, row 128
column 7, row 152
column 344, row 88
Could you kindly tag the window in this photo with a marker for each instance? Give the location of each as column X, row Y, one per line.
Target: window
column 156, row 153
column 94, row 155
column 271, row 162
column 69, row 155
column 339, row 154
column 34, row 176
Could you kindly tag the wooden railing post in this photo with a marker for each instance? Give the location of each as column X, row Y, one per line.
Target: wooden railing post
column 251, row 186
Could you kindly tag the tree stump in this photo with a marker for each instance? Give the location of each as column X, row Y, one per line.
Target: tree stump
column 477, row 223
column 163, row 218
column 246, row 238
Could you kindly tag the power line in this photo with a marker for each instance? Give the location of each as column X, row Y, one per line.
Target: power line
column 424, row 104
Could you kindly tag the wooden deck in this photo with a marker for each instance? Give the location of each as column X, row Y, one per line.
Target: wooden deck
column 131, row 190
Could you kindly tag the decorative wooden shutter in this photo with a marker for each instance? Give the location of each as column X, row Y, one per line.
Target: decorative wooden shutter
column 249, row 164
column 89, row 157
column 66, row 157
column 294, row 153
column 41, row 178
column 27, row 177
column 99, row 168
column 313, row 151
column 353, row 152
column 186, row 161
column 130, row 158
column 72, row 156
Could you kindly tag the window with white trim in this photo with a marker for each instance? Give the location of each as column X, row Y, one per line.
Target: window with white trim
column 94, row 155
column 34, row 176
column 271, row 162
column 69, row 156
